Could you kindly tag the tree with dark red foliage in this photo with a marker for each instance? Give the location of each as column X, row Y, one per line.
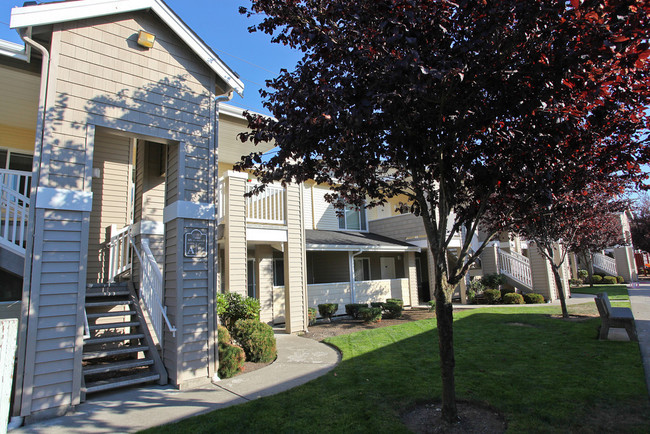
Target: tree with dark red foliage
column 595, row 234
column 457, row 106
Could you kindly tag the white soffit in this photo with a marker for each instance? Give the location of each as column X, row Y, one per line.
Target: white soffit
column 16, row 51
column 50, row 13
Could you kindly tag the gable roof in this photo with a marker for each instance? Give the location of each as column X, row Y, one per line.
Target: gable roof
column 50, row 13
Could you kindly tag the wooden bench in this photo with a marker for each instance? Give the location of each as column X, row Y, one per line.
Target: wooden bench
column 617, row 317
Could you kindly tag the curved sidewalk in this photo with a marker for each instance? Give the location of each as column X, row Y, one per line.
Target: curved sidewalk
column 640, row 304
column 299, row 361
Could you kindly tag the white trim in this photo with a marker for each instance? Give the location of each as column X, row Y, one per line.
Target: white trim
column 235, row 174
column 50, row 13
column 148, row 227
column 189, row 210
column 358, row 248
column 63, row 199
column 237, row 112
column 13, row 50
column 271, row 235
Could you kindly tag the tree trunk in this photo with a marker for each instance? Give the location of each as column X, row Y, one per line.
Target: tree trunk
column 445, row 321
column 588, row 258
column 560, row 289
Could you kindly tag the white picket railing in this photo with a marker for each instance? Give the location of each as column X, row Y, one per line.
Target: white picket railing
column 120, row 256
column 267, row 207
column 221, row 201
column 151, row 289
column 14, row 208
column 605, row 263
column 517, row 267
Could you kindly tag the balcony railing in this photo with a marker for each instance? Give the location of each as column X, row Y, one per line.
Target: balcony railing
column 605, row 263
column 267, row 207
column 14, row 208
column 517, row 267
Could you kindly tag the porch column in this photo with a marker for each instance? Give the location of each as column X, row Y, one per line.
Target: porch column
column 295, row 264
column 625, row 265
column 542, row 274
column 490, row 259
column 410, row 271
column 235, row 245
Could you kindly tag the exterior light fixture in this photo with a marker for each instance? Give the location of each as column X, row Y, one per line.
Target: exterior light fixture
column 146, row 39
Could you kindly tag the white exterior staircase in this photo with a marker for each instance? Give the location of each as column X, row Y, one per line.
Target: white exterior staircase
column 516, row 268
column 605, row 264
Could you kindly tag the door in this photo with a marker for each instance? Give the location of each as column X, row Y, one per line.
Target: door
column 251, row 278
column 387, row 268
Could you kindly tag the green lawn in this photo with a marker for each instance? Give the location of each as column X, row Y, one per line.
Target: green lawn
column 614, row 292
column 544, row 374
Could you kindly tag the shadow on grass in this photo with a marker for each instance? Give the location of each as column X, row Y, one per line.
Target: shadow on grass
column 542, row 373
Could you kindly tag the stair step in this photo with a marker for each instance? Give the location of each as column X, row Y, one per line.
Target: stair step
column 114, row 383
column 107, row 303
column 113, row 338
column 106, row 314
column 116, row 366
column 108, row 285
column 107, row 292
column 114, row 325
column 115, row 352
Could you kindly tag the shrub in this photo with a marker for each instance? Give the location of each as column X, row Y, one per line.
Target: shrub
column 256, row 339
column 223, row 336
column 392, row 309
column 232, row 307
column 311, row 315
column 353, row 309
column 609, row 280
column 513, row 298
column 395, row 300
column 575, row 282
column 596, row 278
column 379, row 304
column 492, row 296
column 327, row 310
column 370, row 314
column 432, row 305
column 619, row 279
column 493, row 280
column 505, row 291
column 231, row 360
column 533, row 298
column 583, row 275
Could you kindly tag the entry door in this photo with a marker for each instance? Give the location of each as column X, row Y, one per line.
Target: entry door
column 387, row 268
column 251, row 278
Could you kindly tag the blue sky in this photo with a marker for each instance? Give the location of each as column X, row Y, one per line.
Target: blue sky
column 221, row 26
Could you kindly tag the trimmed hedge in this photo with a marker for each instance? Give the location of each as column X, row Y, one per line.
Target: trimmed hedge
column 311, row 315
column 619, row 279
column 505, row 291
column 596, row 278
column 533, row 298
column 583, row 275
column 257, row 340
column 379, row 304
column 231, row 360
column 223, row 335
column 393, row 308
column 352, row 309
column 370, row 314
column 492, row 296
column 395, row 300
column 513, row 298
column 327, row 310
column 609, row 280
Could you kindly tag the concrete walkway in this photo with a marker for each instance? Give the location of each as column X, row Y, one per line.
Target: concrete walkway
column 640, row 302
column 299, row 361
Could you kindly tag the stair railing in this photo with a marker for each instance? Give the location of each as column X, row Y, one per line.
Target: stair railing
column 605, row 263
column 86, row 326
column 151, row 289
column 517, row 267
column 119, row 252
column 14, row 208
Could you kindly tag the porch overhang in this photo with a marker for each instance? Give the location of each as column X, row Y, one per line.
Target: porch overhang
column 343, row 241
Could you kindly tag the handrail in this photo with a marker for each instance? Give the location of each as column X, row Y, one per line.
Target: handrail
column 86, row 326
column 151, row 285
column 267, row 207
column 517, row 267
column 605, row 263
column 14, row 208
column 119, row 252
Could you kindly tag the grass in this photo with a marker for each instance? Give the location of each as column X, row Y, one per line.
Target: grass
column 542, row 373
column 614, row 292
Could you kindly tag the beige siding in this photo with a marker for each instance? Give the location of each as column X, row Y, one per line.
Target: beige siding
column 17, row 138
column 235, row 238
column 324, row 213
column 110, row 199
column 295, row 277
column 264, row 273
column 403, row 227
column 308, row 208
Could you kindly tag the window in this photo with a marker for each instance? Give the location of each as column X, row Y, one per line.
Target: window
column 353, row 219
column 278, row 272
column 361, row 269
column 251, row 278
column 15, row 160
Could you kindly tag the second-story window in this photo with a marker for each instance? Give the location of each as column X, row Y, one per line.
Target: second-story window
column 353, row 219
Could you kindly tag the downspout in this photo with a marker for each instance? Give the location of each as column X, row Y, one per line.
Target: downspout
column 351, row 257
column 217, row 99
column 36, row 171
